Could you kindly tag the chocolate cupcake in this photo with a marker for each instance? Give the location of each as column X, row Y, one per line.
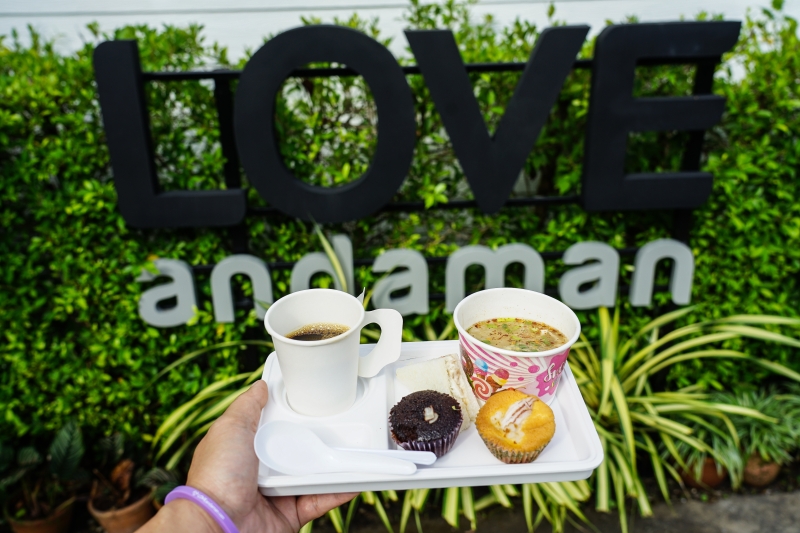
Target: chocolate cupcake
column 426, row 421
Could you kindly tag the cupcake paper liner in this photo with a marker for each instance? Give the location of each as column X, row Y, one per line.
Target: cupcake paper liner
column 438, row 446
column 512, row 457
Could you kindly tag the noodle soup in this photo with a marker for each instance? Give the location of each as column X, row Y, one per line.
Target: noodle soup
column 517, row 334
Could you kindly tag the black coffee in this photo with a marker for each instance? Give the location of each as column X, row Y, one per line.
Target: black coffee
column 318, row 332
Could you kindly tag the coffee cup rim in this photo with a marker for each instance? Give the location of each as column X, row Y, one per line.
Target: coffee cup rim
column 323, row 342
column 555, row 351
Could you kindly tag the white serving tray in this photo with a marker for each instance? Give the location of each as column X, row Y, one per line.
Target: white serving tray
column 573, row 454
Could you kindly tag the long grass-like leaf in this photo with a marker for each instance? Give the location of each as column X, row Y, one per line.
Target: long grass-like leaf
column 621, row 403
column 647, row 367
column 485, row 502
column 669, row 444
column 332, row 257
column 641, row 498
column 603, row 498
column 178, row 455
column 502, row 497
column 405, row 513
column 420, row 498
column 777, row 368
column 588, row 366
column 170, row 439
column 527, row 506
column 661, row 423
column 607, row 371
column 592, row 354
column 179, row 413
column 619, row 490
column 430, row 334
column 713, row 409
column 255, row 375
column 351, row 510
column 674, row 473
column 583, row 491
column 468, row 507
column 760, row 319
column 450, row 506
column 663, row 320
column 658, row 466
column 540, row 501
column 448, row 329
column 192, row 355
column 636, row 359
column 760, row 334
column 335, row 516
column 623, row 466
column 376, row 503
column 558, row 492
column 219, row 407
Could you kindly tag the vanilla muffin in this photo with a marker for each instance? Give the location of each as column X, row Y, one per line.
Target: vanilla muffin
column 515, row 426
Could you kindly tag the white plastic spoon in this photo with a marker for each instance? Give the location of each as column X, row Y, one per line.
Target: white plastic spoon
column 416, row 457
column 294, row 450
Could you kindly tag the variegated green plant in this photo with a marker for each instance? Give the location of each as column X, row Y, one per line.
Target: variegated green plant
column 613, row 375
column 189, row 422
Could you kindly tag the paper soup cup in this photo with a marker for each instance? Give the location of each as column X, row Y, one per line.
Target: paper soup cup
column 491, row 369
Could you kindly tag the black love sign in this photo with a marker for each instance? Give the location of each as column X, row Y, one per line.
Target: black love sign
column 491, row 163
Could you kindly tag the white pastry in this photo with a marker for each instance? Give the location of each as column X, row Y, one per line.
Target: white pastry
column 445, row 375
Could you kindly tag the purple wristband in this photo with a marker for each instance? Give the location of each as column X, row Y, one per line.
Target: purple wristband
column 211, row 507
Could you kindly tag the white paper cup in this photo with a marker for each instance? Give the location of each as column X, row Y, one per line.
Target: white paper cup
column 321, row 377
column 491, row 369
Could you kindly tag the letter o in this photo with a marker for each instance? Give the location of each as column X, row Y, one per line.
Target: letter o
column 256, row 141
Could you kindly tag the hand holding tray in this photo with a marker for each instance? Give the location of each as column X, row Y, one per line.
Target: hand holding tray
column 573, row 453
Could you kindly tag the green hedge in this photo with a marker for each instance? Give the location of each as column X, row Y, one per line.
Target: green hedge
column 73, row 344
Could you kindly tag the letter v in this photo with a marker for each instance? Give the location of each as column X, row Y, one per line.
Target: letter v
column 492, row 164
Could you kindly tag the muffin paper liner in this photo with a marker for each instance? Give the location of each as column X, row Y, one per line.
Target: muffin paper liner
column 438, row 446
column 512, row 457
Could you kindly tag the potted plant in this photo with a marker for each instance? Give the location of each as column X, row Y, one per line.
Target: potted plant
column 765, row 446
column 708, row 466
column 41, row 489
column 119, row 501
column 161, row 482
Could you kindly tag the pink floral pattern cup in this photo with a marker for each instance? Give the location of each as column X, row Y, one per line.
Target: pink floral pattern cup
column 491, row 369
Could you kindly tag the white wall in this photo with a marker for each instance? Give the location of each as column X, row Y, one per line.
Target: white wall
column 240, row 24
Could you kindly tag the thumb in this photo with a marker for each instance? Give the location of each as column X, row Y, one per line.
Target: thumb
column 247, row 407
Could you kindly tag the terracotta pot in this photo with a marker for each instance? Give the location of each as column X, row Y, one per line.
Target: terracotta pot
column 57, row 523
column 125, row 520
column 759, row 473
column 710, row 477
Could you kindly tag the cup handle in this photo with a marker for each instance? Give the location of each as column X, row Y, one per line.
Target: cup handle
column 388, row 348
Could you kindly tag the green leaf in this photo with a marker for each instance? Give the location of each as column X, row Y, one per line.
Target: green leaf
column 527, row 506
column 335, row 516
column 500, row 495
column 405, row 513
column 621, row 403
column 450, row 506
column 468, row 507
column 193, row 355
column 332, row 257
column 351, row 509
column 66, row 452
column 28, row 457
